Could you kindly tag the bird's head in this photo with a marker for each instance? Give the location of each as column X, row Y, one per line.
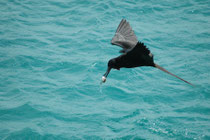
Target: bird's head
column 111, row 65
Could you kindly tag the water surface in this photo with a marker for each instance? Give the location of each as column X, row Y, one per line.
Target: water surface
column 54, row 52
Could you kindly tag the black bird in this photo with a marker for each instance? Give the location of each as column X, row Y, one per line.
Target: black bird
column 135, row 54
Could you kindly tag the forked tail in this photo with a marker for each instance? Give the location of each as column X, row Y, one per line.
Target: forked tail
column 161, row 68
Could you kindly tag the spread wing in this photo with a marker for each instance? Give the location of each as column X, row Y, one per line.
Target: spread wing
column 124, row 36
column 139, row 50
column 141, row 53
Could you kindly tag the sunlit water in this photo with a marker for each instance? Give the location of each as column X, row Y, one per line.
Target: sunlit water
column 54, row 52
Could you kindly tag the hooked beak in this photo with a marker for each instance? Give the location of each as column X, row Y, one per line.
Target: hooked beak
column 106, row 74
column 107, row 71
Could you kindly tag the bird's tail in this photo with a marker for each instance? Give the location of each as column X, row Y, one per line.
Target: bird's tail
column 161, row 68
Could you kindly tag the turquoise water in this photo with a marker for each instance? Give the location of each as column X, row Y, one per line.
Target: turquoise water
column 54, row 52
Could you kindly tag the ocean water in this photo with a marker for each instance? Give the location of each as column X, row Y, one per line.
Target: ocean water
column 54, row 52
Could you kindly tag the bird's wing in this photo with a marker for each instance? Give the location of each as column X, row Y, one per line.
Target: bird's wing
column 140, row 50
column 124, row 36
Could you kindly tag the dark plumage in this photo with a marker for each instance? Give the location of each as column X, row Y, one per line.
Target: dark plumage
column 135, row 54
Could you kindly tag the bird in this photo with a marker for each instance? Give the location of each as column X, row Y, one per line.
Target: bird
column 134, row 53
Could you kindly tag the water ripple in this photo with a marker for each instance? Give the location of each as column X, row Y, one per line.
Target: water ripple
column 53, row 54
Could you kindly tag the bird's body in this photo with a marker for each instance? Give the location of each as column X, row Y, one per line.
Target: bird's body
column 136, row 57
column 135, row 53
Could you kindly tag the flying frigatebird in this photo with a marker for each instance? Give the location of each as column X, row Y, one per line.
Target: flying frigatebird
column 135, row 53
